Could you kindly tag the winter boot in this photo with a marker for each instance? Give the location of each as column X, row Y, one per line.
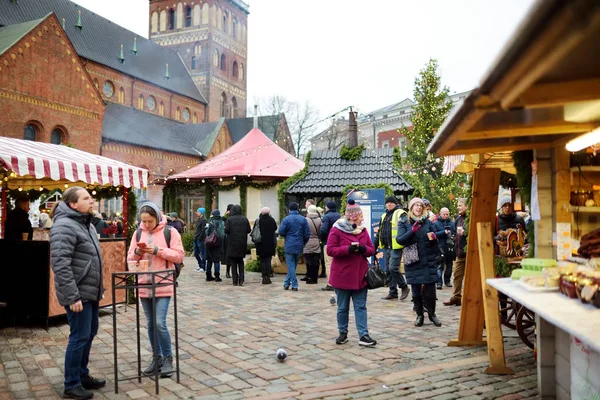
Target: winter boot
column 264, row 280
column 431, row 312
column 218, row 277
column 209, row 276
column 228, row 272
column 418, row 307
column 167, row 369
column 157, row 362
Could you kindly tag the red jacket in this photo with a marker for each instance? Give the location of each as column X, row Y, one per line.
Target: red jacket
column 348, row 269
column 174, row 254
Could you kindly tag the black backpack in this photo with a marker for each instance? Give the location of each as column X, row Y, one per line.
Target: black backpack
column 167, row 232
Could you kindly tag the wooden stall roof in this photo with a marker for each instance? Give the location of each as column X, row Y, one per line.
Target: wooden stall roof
column 542, row 91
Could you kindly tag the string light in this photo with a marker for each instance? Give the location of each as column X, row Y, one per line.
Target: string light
column 66, row 185
column 220, row 179
column 20, row 189
column 93, row 192
column 234, row 178
column 41, row 188
column 187, row 179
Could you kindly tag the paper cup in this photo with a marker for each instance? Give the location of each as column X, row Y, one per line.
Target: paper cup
column 132, row 265
column 143, row 265
column 25, row 235
column 98, row 235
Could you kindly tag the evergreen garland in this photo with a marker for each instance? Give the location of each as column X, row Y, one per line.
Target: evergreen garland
column 352, row 154
column 522, row 161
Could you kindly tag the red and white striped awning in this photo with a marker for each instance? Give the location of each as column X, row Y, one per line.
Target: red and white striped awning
column 37, row 163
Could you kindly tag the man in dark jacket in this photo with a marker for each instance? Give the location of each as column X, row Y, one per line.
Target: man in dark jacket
column 460, row 245
column 226, row 260
column 199, row 236
column 77, row 267
column 445, row 232
column 176, row 222
column 331, row 215
column 17, row 221
column 237, row 228
column 296, row 232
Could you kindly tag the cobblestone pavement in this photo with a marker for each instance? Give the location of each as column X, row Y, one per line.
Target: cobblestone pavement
column 228, row 337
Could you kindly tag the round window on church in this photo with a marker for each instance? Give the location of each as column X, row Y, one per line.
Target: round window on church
column 108, row 89
column 151, row 103
column 186, row 114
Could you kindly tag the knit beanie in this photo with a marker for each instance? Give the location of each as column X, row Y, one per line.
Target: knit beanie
column 202, row 210
column 353, row 210
column 293, row 206
column 265, row 210
column 391, row 199
column 331, row 205
column 426, row 202
column 504, row 199
column 173, row 214
column 215, row 213
column 312, row 209
column 414, row 201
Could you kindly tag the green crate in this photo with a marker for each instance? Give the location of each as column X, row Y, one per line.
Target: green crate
column 516, row 274
column 538, row 264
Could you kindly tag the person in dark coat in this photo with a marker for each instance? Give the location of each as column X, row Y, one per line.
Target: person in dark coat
column 99, row 224
column 77, row 267
column 17, row 221
column 416, row 234
column 508, row 218
column 265, row 249
column 199, row 246
column 176, row 222
column 312, row 249
column 215, row 254
column 330, row 217
column 445, row 232
column 237, row 228
column 225, row 260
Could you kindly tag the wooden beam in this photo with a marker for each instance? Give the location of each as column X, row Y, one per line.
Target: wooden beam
column 463, row 126
column 483, row 209
column 559, row 93
column 492, row 146
column 516, row 130
column 495, row 343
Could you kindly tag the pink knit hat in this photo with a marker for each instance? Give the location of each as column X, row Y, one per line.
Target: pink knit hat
column 414, row 201
column 353, row 210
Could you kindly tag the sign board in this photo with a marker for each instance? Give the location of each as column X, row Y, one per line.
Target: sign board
column 372, row 204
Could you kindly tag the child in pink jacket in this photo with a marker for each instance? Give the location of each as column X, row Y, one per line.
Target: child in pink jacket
column 153, row 247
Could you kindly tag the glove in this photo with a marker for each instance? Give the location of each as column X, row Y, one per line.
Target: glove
column 416, row 226
column 433, row 236
column 352, row 248
column 362, row 249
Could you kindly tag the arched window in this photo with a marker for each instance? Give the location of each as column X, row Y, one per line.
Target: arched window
column 161, row 108
column 197, row 15
column 195, row 118
column 225, row 22
column 121, row 98
column 234, row 70
column 154, row 22
column 205, row 13
column 178, row 114
column 197, row 49
column 234, row 28
column 193, row 62
column 241, row 72
column 141, row 102
column 151, row 103
column 163, row 21
column 216, row 58
column 31, row 131
column 171, row 19
column 234, row 108
column 224, row 105
column 188, row 16
column 57, row 136
column 223, row 63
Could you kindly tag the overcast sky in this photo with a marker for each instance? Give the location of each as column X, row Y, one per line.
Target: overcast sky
column 338, row 53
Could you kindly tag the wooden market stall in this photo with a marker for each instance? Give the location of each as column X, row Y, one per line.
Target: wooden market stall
column 542, row 92
column 27, row 284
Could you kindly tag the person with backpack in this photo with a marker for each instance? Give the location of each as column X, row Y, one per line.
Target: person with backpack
column 265, row 249
column 162, row 247
column 237, row 228
column 214, row 252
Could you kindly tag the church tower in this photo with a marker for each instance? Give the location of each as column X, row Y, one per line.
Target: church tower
column 211, row 38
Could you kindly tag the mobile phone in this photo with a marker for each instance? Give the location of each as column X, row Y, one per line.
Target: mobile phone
column 141, row 244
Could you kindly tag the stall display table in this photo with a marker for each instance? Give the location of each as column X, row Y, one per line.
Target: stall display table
column 568, row 341
column 123, row 281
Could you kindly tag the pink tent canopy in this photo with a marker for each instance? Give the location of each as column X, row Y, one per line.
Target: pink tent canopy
column 254, row 156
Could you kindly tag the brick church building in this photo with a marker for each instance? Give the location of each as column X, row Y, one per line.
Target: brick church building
column 69, row 76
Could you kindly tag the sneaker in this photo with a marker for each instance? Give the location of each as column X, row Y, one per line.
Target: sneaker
column 439, row 286
column 90, row 383
column 156, row 362
column 327, row 288
column 405, row 292
column 167, row 368
column 77, row 393
column 197, row 269
column 367, row 341
column 448, row 284
column 201, row 270
column 295, row 289
column 286, row 287
column 343, row 338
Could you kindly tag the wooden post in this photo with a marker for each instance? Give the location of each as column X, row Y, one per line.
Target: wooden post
column 495, row 343
column 483, row 209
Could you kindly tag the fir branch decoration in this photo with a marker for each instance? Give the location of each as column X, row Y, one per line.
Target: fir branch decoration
column 352, row 154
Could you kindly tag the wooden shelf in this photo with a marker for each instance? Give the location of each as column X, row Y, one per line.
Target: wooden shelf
column 587, row 168
column 589, row 210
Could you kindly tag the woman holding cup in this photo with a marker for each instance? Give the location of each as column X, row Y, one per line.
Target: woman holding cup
column 153, row 253
column 416, row 234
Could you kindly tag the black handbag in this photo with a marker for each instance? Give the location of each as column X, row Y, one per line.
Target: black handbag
column 375, row 276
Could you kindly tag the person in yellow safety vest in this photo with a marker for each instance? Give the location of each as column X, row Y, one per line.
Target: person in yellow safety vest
column 392, row 251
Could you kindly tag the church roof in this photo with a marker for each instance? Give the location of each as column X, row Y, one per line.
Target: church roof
column 139, row 128
column 328, row 173
column 10, row 35
column 100, row 41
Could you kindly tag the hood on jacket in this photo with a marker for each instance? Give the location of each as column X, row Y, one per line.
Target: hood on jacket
column 64, row 211
column 313, row 216
column 236, row 210
column 155, row 208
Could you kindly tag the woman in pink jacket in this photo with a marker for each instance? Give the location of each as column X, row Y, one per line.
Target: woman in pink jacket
column 349, row 244
column 153, row 247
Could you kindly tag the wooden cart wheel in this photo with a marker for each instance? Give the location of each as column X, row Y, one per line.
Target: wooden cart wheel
column 526, row 326
column 508, row 311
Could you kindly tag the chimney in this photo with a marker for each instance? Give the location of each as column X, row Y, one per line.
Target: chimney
column 352, row 130
column 255, row 116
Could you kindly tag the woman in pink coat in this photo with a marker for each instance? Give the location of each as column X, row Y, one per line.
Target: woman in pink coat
column 153, row 247
column 349, row 244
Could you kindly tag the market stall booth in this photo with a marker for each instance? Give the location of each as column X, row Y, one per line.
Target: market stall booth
column 542, row 93
column 28, row 168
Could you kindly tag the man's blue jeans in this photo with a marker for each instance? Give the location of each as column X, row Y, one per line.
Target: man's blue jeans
column 209, row 265
column 84, row 326
column 395, row 278
column 447, row 263
column 292, row 262
column 359, row 300
column 163, row 347
column 200, row 253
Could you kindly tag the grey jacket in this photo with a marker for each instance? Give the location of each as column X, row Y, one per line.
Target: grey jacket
column 76, row 259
